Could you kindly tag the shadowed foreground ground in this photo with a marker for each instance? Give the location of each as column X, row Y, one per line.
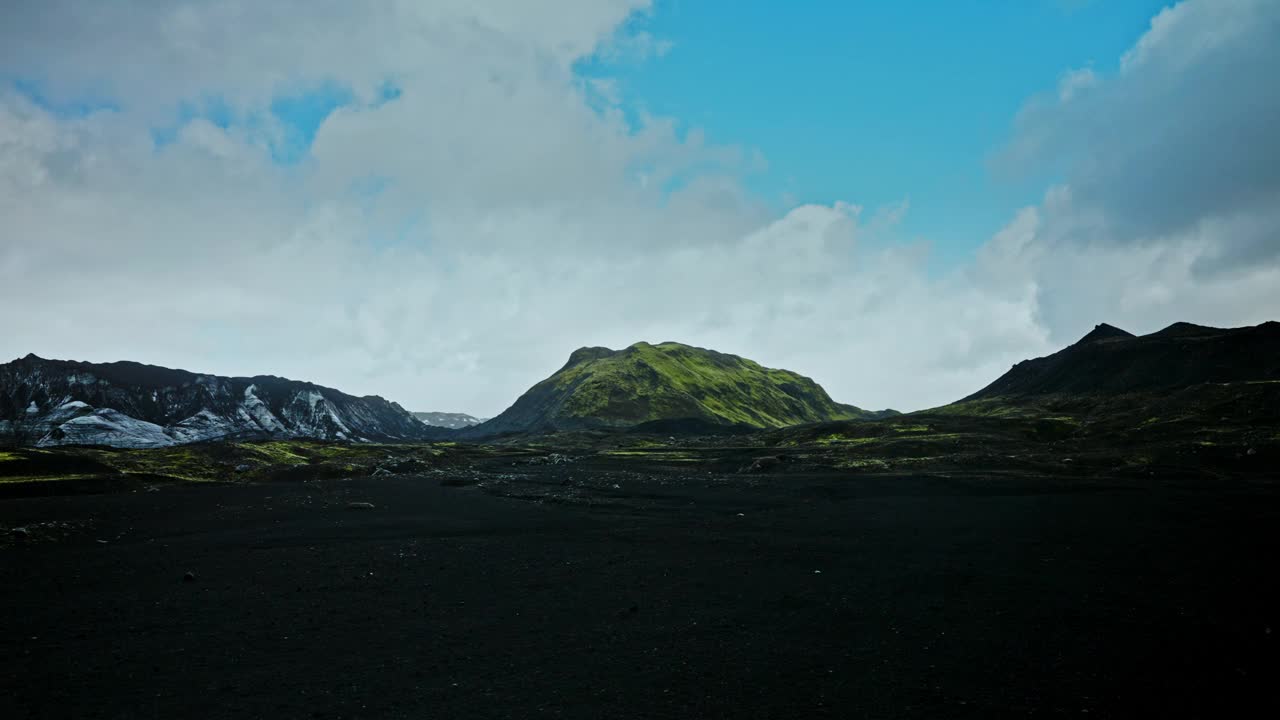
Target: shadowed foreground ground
column 829, row 596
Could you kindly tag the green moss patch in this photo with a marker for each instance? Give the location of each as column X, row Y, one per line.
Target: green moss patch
column 275, row 453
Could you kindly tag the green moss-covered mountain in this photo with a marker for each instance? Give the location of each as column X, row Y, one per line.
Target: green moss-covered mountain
column 667, row 383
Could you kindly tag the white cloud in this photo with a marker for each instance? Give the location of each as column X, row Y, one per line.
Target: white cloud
column 1184, row 34
column 1168, row 210
column 149, row 53
column 449, row 248
column 1073, row 81
column 1184, row 133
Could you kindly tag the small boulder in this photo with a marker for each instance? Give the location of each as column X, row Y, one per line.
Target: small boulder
column 188, row 577
column 764, row 464
column 20, row 533
column 360, row 506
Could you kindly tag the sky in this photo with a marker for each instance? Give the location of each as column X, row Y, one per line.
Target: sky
column 437, row 202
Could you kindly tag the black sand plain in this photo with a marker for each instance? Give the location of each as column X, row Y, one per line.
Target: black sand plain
column 646, row 592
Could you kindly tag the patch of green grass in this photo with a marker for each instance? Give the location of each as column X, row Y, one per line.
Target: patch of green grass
column 218, row 462
column 987, row 408
column 928, row 437
column 837, row 439
column 662, row 455
column 6, row 456
column 277, row 452
column 918, row 460
column 186, row 462
column 642, row 444
column 45, row 478
column 862, row 464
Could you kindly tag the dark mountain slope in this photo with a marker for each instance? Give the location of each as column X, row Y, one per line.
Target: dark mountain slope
column 1109, row 361
column 603, row 388
column 128, row 404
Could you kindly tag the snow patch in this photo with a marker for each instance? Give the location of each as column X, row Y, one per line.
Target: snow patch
column 202, row 426
column 66, row 411
column 107, row 427
column 255, row 409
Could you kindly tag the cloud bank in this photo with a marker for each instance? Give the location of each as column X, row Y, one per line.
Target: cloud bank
column 473, row 210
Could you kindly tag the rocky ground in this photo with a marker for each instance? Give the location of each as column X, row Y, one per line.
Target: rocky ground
column 760, row 577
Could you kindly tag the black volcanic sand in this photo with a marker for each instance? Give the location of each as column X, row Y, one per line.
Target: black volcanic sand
column 829, row 596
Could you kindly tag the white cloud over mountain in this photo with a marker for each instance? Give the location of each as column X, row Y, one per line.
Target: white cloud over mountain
column 449, row 247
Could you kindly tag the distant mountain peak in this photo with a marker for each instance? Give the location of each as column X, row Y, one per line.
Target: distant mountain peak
column 452, row 421
column 128, row 404
column 1103, row 331
column 1180, row 356
column 1185, row 329
column 587, row 354
column 645, row 384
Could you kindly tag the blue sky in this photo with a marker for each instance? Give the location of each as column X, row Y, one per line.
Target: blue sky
column 453, row 241
column 874, row 103
column 868, row 103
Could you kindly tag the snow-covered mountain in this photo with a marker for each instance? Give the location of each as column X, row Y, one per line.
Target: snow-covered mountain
column 453, row 421
column 127, row 404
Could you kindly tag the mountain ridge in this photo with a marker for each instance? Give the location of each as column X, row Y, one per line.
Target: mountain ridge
column 1110, row 361
column 47, row 402
column 658, row 383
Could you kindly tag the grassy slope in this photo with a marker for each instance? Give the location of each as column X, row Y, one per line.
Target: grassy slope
column 1212, row 428
column 240, row 461
column 654, row 382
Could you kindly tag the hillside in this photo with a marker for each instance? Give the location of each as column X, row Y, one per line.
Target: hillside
column 655, row 384
column 1187, row 401
column 453, row 421
column 1110, row 361
column 127, row 404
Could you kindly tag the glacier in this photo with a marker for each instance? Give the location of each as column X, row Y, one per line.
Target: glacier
column 130, row 405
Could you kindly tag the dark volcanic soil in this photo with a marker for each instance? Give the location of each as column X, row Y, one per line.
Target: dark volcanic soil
column 829, row 596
